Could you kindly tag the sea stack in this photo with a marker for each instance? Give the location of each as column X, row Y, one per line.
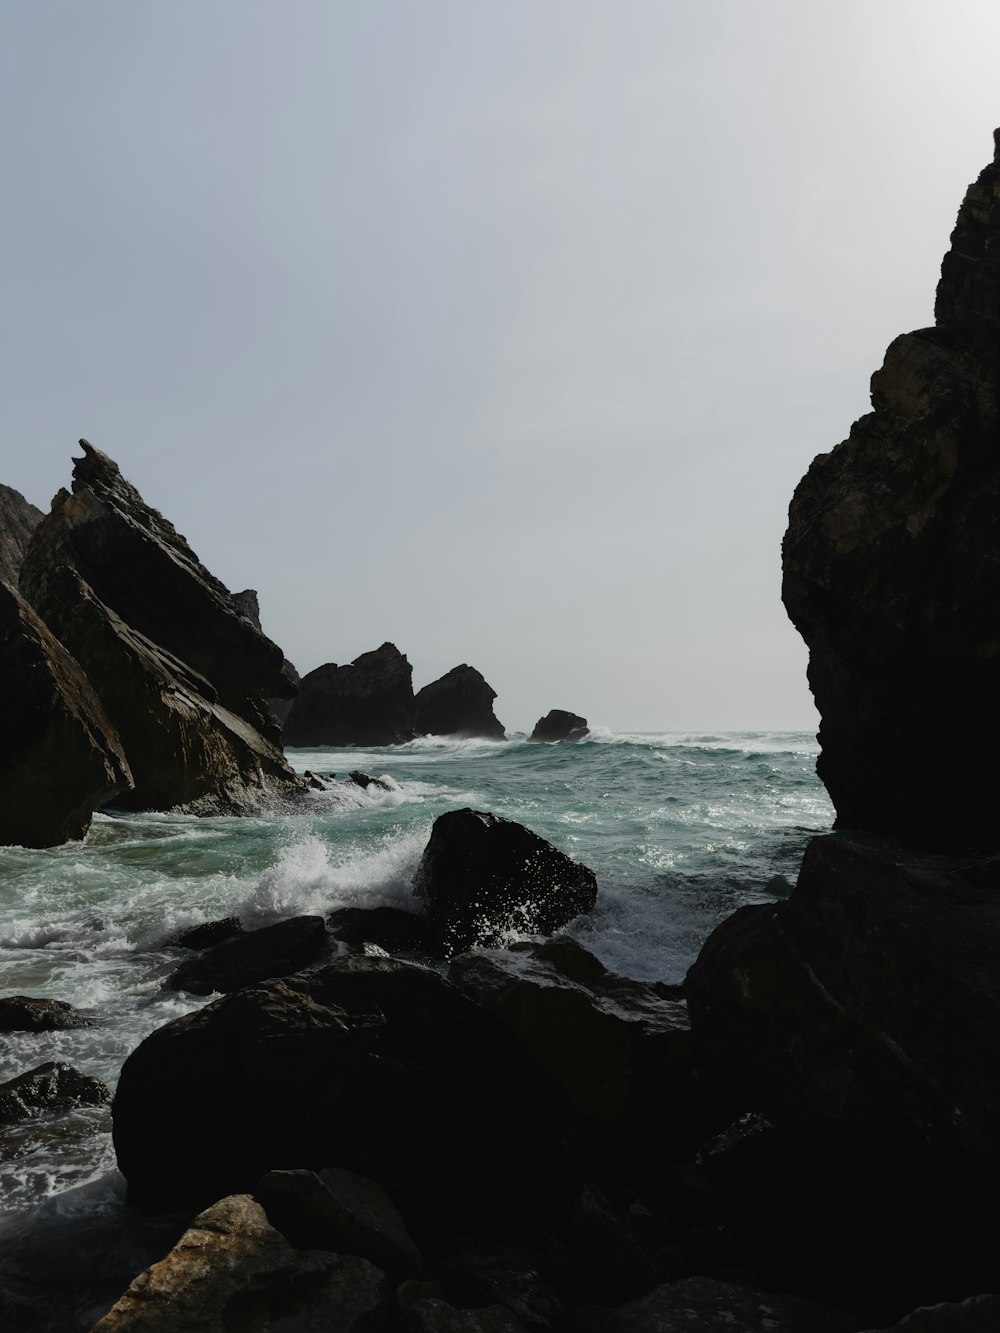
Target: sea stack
column 460, row 703
column 368, row 702
column 558, row 725
column 892, row 569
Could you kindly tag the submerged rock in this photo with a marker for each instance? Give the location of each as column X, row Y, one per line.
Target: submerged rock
column 892, row 569
column 181, row 673
column 18, row 520
column 55, row 1086
column 558, row 725
column 369, row 702
column 61, row 757
column 460, row 703
column 484, row 878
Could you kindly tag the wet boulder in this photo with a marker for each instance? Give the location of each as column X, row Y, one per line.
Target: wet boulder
column 392, row 929
column 207, row 934
column 61, row 757
column 368, row 702
column 483, row 878
column 52, row 1087
column 250, row 956
column 24, row 1013
column 460, row 703
column 558, row 725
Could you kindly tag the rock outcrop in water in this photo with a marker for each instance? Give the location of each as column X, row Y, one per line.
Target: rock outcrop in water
column 558, row 725
column 892, row 569
column 60, row 756
column 18, row 520
column 181, row 673
column 368, row 702
column 460, row 703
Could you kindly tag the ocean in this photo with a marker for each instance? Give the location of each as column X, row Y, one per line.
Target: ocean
column 680, row 830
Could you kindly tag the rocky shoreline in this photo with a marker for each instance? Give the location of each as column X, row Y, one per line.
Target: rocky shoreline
column 381, row 1131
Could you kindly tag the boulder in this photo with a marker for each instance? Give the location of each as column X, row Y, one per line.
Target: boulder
column 616, row 1053
column 181, row 673
column 558, row 725
column 706, row 1305
column 366, row 780
column 18, row 520
column 339, row 1210
column 250, row 956
column 892, row 569
column 395, row 931
column 60, row 756
column 207, row 934
column 460, row 703
column 507, row 1276
column 369, row 702
column 232, row 1270
column 51, row 1087
column 23, row 1013
column 483, row 878
column 376, row 1064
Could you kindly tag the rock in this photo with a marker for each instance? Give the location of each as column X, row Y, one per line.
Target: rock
column 394, row 930
column 252, row 956
column 50, row 1087
column 22, row 1013
column 18, row 520
column 892, row 575
column 232, row 1270
column 208, row 933
column 705, row 1305
column 369, row 702
column 483, row 877
column 315, row 781
column 339, row 1210
column 249, row 604
column 365, row 780
column 558, row 725
column 458, row 704
column 614, row 1052
column 504, row 1276
column 377, row 1064
column 60, row 756
column 978, row 1314
column 434, row 1316
column 182, row 674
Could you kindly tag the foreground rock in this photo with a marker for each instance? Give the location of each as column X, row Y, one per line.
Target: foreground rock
column 18, row 520
column 60, row 756
column 559, row 725
column 181, row 673
column 705, row 1305
column 250, row 956
column 51, row 1087
column 458, row 704
column 23, row 1013
column 232, row 1270
column 369, row 702
column 484, row 878
column 891, row 571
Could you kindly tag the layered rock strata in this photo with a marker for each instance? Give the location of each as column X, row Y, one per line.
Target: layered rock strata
column 460, row 703
column 18, row 520
column 892, row 569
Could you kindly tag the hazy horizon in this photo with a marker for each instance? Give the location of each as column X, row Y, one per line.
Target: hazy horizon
column 501, row 332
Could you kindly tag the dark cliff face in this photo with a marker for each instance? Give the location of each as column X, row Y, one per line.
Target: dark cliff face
column 369, row 702
column 18, row 520
column 892, row 569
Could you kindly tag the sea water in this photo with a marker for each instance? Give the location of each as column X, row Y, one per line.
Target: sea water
column 679, row 829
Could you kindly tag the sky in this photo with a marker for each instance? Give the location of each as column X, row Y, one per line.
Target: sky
column 499, row 329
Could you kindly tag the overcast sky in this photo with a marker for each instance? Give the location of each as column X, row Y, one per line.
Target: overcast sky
column 499, row 329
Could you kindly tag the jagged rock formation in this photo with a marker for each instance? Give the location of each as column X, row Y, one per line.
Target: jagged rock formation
column 892, row 569
column 249, row 604
column 52, row 1087
column 369, row 702
column 60, row 756
column 460, row 703
column 558, row 725
column 18, row 520
column 182, row 674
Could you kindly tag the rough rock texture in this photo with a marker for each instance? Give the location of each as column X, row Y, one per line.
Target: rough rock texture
column 558, row 725
column 250, row 956
column 23, row 1013
column 341, row 1211
column 249, row 604
column 434, row 1316
column 369, row 702
column 181, row 673
column 892, row 569
column 60, row 756
column 705, row 1305
column 378, row 1065
column 391, row 928
column 483, row 877
column 458, row 704
column 50, row 1087
column 232, row 1270
column 978, row 1314
column 18, row 520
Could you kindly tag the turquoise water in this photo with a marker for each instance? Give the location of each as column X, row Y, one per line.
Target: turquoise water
column 680, row 830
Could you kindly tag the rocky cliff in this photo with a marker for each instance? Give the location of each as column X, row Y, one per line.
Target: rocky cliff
column 368, row 702
column 18, row 520
column 892, row 569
